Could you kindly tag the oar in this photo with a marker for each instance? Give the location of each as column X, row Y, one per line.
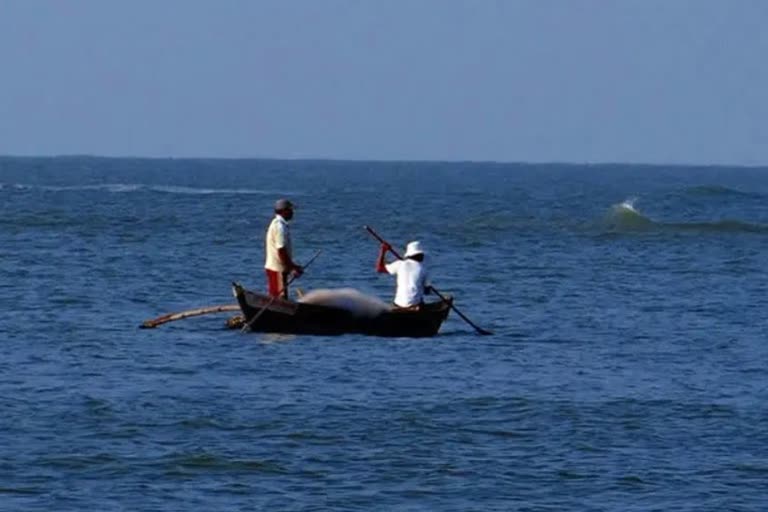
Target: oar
column 170, row 317
column 248, row 324
column 479, row 329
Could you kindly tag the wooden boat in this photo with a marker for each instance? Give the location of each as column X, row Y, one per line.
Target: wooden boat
column 268, row 314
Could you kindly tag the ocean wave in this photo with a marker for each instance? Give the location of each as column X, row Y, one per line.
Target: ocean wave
column 79, row 461
column 21, row 490
column 109, row 187
column 42, row 220
column 721, row 226
column 625, row 217
column 173, row 189
column 209, row 462
column 718, row 191
column 118, row 188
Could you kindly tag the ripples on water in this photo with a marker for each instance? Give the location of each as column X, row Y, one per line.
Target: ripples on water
column 627, row 371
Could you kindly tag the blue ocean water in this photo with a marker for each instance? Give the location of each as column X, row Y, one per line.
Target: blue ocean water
column 627, row 370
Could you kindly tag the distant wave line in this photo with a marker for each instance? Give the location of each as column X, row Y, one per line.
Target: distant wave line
column 725, row 226
column 137, row 187
column 173, row 189
column 720, row 190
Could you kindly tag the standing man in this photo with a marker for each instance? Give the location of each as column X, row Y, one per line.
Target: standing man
column 279, row 262
column 411, row 275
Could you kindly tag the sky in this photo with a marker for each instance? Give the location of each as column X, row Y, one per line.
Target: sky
column 582, row 81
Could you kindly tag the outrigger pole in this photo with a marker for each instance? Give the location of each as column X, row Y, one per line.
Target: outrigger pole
column 170, row 317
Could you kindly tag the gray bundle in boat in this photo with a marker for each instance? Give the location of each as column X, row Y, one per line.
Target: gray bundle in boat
column 349, row 299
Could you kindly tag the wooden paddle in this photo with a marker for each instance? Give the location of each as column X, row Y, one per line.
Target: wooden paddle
column 477, row 328
column 250, row 322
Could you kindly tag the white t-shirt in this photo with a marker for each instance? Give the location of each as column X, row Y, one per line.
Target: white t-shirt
column 278, row 237
column 411, row 279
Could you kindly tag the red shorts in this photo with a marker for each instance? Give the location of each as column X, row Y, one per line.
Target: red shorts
column 277, row 284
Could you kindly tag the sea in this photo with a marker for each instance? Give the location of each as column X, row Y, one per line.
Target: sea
column 627, row 369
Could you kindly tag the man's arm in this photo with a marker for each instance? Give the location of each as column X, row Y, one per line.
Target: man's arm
column 381, row 265
column 291, row 265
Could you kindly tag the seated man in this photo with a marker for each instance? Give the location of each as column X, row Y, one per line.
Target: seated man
column 411, row 274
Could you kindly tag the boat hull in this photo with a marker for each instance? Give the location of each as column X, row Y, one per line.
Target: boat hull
column 263, row 313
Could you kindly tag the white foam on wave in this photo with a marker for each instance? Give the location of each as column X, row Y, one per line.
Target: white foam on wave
column 136, row 187
column 119, row 188
column 626, row 216
column 349, row 299
column 109, row 187
column 123, row 187
column 629, row 205
column 174, row 189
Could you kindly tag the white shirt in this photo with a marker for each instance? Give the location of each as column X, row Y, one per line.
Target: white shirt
column 278, row 237
column 411, row 279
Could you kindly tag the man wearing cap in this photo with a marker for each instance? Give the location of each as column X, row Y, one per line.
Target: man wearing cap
column 279, row 262
column 411, row 274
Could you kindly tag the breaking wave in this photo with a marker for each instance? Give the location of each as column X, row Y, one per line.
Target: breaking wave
column 625, row 217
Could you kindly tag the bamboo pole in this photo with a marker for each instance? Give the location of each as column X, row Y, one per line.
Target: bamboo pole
column 170, row 317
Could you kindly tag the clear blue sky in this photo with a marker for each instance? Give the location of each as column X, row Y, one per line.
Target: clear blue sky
column 658, row 81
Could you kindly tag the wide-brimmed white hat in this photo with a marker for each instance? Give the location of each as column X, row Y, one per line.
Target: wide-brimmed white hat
column 413, row 248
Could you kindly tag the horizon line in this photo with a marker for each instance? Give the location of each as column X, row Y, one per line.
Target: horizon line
column 393, row 160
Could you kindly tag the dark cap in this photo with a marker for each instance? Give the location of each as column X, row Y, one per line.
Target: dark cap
column 283, row 204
